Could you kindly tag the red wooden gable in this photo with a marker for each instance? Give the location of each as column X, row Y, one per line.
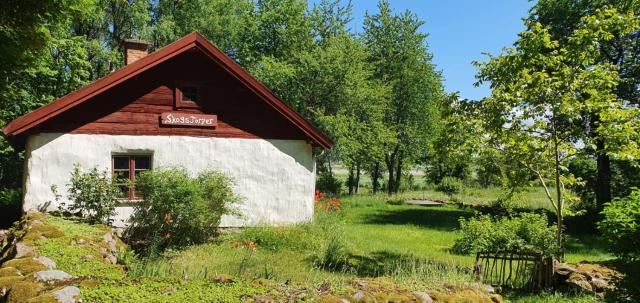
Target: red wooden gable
column 131, row 100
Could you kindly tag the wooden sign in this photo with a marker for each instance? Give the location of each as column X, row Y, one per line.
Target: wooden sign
column 188, row 119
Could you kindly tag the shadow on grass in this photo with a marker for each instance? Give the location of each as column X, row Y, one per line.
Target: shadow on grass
column 385, row 263
column 440, row 218
column 626, row 286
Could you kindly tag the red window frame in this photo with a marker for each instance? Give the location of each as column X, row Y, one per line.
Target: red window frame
column 179, row 103
column 131, row 193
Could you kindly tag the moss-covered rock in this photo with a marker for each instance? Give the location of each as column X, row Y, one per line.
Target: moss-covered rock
column 22, row 291
column 9, row 271
column 467, row 296
column 225, row 279
column 36, row 232
column 46, row 298
column 8, row 282
column 329, row 299
column 25, row 265
column 397, row 298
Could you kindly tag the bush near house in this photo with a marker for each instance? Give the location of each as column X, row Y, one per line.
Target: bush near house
column 178, row 210
column 621, row 226
column 92, row 195
column 529, row 232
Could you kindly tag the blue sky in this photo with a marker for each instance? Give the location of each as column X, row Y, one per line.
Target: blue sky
column 459, row 32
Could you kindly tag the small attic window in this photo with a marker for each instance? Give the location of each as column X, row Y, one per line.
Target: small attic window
column 187, row 94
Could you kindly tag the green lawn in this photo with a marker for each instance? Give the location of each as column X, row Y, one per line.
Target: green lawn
column 408, row 244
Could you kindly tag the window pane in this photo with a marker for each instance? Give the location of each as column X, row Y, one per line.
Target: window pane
column 189, row 93
column 121, row 176
column 121, row 162
column 143, row 162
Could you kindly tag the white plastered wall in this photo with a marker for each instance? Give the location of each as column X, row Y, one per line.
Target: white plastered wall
column 275, row 178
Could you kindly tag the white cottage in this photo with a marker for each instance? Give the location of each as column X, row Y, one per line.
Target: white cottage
column 189, row 105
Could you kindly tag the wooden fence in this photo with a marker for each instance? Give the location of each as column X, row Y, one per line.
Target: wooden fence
column 516, row 270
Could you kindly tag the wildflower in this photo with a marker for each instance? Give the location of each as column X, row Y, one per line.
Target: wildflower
column 235, row 245
column 250, row 244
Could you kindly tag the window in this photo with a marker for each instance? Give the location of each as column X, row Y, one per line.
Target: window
column 125, row 170
column 187, row 94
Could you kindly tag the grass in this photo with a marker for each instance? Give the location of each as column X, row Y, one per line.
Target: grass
column 406, row 243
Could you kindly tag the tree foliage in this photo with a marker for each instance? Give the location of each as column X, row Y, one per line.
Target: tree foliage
column 542, row 90
column 400, row 57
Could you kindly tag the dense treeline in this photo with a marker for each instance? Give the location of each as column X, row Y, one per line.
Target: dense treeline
column 376, row 93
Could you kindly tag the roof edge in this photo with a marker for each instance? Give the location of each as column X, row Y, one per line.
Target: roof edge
column 26, row 122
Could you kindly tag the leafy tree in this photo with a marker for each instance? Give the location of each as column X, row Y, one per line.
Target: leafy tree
column 562, row 17
column 230, row 24
column 452, row 150
column 400, row 57
column 541, row 89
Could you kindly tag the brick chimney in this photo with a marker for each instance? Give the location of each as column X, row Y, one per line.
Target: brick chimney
column 134, row 50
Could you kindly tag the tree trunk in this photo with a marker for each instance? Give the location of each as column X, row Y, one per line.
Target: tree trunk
column 375, row 177
column 398, row 172
column 603, row 177
column 357, row 185
column 391, row 178
column 350, row 181
column 559, row 188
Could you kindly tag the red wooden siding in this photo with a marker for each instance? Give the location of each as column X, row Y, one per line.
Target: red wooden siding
column 134, row 107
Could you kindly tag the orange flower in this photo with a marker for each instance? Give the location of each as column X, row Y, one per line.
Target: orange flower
column 235, row 245
column 250, row 244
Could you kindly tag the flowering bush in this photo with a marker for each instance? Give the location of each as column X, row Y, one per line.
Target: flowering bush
column 326, row 203
column 178, row 210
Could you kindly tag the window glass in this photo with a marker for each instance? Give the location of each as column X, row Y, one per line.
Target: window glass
column 143, row 162
column 121, row 162
column 125, row 171
column 189, row 93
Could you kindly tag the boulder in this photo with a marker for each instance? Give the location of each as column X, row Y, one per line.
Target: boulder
column 359, row 296
column 67, row 294
column 578, row 281
column 23, row 250
column 599, row 284
column 51, row 276
column 496, row 298
column 422, row 297
column 50, row 264
column 490, row 289
column 111, row 242
column 9, row 272
column 23, row 291
column 563, row 270
column 225, row 279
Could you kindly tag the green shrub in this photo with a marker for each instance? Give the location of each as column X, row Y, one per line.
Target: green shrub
column 92, row 195
column 529, row 233
column 396, row 200
column 327, row 183
column 450, row 186
column 621, row 226
column 10, row 206
column 178, row 210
